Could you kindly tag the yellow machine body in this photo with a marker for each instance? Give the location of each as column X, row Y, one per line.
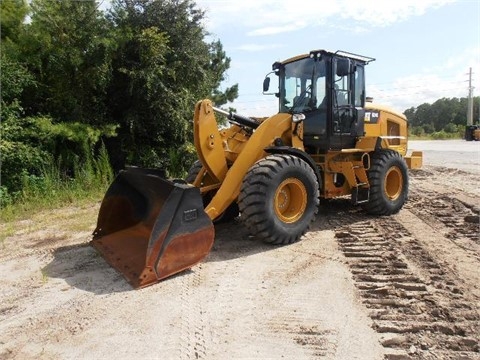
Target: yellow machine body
column 230, row 152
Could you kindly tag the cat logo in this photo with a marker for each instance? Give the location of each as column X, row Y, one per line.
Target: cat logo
column 371, row 117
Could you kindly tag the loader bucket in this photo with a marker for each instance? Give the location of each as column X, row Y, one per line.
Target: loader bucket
column 150, row 228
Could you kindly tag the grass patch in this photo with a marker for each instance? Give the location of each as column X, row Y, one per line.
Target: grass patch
column 54, row 189
column 438, row 135
column 84, row 220
column 43, row 271
column 7, row 231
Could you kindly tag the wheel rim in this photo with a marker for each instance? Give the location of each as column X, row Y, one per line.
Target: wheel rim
column 290, row 200
column 393, row 183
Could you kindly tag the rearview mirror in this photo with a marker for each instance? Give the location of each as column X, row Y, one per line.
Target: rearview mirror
column 343, row 67
column 266, row 84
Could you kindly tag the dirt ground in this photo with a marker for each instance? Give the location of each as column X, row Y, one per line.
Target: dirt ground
column 355, row 287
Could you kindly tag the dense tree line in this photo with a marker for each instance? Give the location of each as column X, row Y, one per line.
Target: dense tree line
column 444, row 116
column 74, row 77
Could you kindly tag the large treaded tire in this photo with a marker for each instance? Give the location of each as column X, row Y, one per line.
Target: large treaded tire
column 388, row 178
column 193, row 172
column 279, row 199
column 230, row 213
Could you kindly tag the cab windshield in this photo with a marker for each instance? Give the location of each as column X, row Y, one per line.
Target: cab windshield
column 302, row 86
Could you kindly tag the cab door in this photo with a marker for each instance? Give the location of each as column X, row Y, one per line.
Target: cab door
column 347, row 99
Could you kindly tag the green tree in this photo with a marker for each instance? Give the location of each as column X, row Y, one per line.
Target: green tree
column 423, row 115
column 219, row 64
column 17, row 156
column 162, row 67
column 15, row 76
column 443, row 114
column 71, row 70
column 410, row 114
column 417, row 130
column 428, row 128
column 12, row 15
column 67, row 48
column 54, row 76
column 450, row 128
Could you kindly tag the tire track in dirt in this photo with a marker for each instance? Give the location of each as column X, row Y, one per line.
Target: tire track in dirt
column 192, row 337
column 456, row 219
column 456, row 259
column 315, row 312
column 50, row 327
column 279, row 314
column 421, row 308
column 208, row 318
column 229, row 276
column 267, row 327
column 298, row 318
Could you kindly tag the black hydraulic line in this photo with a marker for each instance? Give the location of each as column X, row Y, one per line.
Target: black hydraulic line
column 240, row 119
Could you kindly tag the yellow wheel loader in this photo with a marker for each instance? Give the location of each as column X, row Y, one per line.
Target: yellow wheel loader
column 325, row 142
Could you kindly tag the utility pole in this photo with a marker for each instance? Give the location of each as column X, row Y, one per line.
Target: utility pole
column 470, row 100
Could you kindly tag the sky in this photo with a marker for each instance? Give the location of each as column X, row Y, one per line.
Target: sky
column 423, row 48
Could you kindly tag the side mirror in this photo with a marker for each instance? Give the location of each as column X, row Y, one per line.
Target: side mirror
column 266, row 84
column 343, row 67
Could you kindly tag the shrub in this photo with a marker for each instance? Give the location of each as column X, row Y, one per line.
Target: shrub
column 53, row 187
column 180, row 160
column 442, row 135
column 450, row 128
column 428, row 128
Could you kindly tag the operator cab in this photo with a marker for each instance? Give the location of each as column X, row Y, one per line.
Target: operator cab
column 329, row 90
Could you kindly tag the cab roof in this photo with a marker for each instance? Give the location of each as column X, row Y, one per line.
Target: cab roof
column 339, row 53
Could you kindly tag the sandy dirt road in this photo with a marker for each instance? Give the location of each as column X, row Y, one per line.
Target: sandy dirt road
column 355, row 287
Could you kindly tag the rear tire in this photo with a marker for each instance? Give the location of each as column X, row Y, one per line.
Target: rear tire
column 279, row 198
column 388, row 178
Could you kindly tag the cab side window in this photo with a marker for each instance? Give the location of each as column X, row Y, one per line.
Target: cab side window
column 359, row 86
column 342, row 93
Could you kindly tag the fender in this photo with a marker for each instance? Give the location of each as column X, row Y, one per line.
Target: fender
column 300, row 154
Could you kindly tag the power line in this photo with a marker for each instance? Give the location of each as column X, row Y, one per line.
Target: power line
column 415, row 86
column 423, row 91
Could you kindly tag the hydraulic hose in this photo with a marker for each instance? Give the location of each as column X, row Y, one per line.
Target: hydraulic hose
column 240, row 119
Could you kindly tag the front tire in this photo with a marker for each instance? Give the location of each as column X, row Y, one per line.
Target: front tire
column 388, row 178
column 193, row 172
column 279, row 198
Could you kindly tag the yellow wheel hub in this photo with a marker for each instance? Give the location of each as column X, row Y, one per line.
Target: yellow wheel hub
column 290, row 200
column 393, row 183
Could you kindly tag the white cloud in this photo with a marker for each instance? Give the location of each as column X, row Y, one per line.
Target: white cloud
column 269, row 17
column 265, row 106
column 450, row 79
column 273, row 30
column 468, row 58
column 257, row 47
column 384, row 13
